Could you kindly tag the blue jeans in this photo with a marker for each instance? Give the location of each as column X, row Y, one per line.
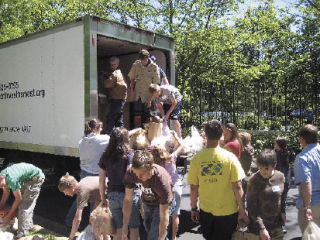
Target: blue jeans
column 151, row 220
column 115, row 115
column 72, row 210
column 115, row 205
column 174, row 115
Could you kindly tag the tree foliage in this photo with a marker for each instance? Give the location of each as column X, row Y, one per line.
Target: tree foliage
column 252, row 68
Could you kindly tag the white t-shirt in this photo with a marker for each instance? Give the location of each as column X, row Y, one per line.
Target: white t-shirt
column 91, row 149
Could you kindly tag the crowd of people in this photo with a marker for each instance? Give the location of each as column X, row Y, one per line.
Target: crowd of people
column 231, row 186
column 135, row 183
column 154, row 99
column 217, row 180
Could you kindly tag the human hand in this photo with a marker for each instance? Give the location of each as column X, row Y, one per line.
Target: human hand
column 104, row 203
column 195, row 216
column 308, row 215
column 124, row 235
column 243, row 219
column 6, row 220
column 71, row 237
column 264, row 234
column 165, row 118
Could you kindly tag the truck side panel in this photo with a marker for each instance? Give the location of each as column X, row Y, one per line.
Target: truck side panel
column 42, row 92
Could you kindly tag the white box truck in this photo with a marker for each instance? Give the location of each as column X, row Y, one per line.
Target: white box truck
column 49, row 81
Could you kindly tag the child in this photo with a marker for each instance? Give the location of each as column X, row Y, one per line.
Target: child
column 265, row 198
column 280, row 146
column 162, row 157
column 247, row 154
column 25, row 181
column 87, row 190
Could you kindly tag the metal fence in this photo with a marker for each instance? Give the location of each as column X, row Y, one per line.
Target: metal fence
column 256, row 106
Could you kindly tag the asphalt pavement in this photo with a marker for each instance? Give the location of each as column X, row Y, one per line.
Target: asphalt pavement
column 189, row 231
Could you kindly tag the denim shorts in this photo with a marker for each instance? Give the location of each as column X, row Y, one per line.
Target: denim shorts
column 177, row 197
column 115, row 205
column 174, row 115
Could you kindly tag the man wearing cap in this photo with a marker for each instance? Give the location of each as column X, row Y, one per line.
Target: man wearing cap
column 25, row 181
column 143, row 72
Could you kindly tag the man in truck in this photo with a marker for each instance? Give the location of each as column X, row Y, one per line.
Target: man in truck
column 117, row 95
column 143, row 72
column 25, row 181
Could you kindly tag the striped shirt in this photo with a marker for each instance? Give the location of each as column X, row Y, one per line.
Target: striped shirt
column 19, row 174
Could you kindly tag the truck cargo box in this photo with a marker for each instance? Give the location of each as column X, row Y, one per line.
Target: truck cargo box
column 49, row 81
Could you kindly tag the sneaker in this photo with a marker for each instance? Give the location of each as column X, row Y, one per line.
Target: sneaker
column 34, row 228
column 14, row 226
column 284, row 230
column 19, row 235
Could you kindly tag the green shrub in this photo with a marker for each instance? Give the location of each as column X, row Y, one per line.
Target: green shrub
column 265, row 139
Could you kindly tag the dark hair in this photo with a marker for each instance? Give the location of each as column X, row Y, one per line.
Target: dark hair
column 309, row 133
column 282, row 142
column 143, row 54
column 266, row 158
column 283, row 153
column 213, row 129
column 142, row 159
column 118, row 147
column 91, row 126
column 233, row 129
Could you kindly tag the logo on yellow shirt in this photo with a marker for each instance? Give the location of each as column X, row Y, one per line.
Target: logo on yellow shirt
column 213, row 168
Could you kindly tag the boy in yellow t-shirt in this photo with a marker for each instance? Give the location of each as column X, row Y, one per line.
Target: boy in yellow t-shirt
column 215, row 176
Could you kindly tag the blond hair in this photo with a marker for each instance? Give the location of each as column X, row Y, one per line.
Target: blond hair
column 66, row 182
column 153, row 88
column 161, row 155
column 245, row 138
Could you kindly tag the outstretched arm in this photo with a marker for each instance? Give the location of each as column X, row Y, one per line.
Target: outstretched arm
column 5, row 196
column 102, row 186
column 194, row 193
column 17, row 200
column 75, row 223
column 306, row 190
column 173, row 105
column 164, row 220
column 238, row 192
